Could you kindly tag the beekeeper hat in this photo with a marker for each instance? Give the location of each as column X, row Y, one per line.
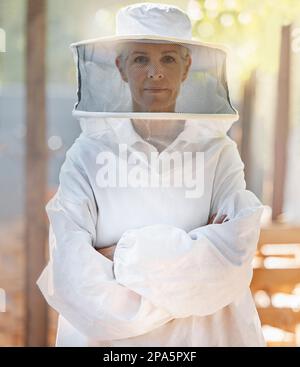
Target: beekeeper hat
column 102, row 91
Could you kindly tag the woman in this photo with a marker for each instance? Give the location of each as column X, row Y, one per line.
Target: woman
column 154, row 73
column 135, row 261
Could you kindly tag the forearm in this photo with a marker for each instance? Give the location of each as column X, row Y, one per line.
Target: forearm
column 193, row 273
column 79, row 283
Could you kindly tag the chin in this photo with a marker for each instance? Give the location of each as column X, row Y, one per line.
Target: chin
column 157, row 107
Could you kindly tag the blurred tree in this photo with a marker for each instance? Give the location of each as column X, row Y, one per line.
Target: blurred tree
column 68, row 21
column 12, row 20
column 250, row 27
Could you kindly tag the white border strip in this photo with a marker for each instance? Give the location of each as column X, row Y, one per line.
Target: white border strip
column 158, row 115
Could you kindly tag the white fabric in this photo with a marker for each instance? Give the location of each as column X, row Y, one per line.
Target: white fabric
column 101, row 89
column 145, row 18
column 174, row 281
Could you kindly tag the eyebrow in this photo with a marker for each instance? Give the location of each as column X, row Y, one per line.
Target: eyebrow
column 145, row 53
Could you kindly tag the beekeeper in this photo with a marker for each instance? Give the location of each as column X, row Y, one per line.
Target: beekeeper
column 152, row 231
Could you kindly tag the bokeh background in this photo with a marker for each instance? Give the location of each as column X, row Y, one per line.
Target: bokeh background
column 37, row 95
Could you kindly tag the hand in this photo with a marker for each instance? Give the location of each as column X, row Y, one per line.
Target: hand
column 221, row 220
column 108, row 251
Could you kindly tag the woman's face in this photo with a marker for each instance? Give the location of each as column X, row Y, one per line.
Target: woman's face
column 154, row 73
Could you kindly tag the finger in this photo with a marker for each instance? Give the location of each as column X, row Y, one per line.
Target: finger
column 221, row 219
column 104, row 251
column 224, row 218
column 212, row 218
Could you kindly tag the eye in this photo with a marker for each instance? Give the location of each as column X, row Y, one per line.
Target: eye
column 168, row 59
column 141, row 59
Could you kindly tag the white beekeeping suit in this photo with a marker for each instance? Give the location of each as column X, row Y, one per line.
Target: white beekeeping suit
column 175, row 280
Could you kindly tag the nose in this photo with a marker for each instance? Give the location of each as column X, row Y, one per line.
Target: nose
column 155, row 72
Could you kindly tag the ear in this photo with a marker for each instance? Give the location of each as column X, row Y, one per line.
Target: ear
column 118, row 65
column 187, row 68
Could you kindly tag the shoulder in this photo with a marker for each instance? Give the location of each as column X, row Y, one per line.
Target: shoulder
column 229, row 154
column 84, row 151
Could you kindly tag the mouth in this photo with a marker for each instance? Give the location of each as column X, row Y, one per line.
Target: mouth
column 155, row 90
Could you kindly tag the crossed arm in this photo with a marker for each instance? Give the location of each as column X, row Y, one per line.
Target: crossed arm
column 140, row 291
column 109, row 251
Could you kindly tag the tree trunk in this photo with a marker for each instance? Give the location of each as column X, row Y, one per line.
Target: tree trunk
column 36, row 173
column 247, row 117
column 282, row 122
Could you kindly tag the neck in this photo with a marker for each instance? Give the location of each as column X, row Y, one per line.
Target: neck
column 138, row 108
column 156, row 128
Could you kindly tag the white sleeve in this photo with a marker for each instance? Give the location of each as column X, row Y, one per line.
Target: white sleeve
column 79, row 282
column 199, row 272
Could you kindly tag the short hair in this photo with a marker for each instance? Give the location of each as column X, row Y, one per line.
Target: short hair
column 122, row 51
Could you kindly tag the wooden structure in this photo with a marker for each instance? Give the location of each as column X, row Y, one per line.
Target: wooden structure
column 282, row 122
column 247, row 117
column 36, row 173
column 281, row 243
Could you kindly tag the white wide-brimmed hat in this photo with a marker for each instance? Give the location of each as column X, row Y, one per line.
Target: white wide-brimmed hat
column 102, row 92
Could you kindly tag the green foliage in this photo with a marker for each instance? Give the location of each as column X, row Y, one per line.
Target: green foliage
column 251, row 28
column 67, row 21
column 12, row 15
